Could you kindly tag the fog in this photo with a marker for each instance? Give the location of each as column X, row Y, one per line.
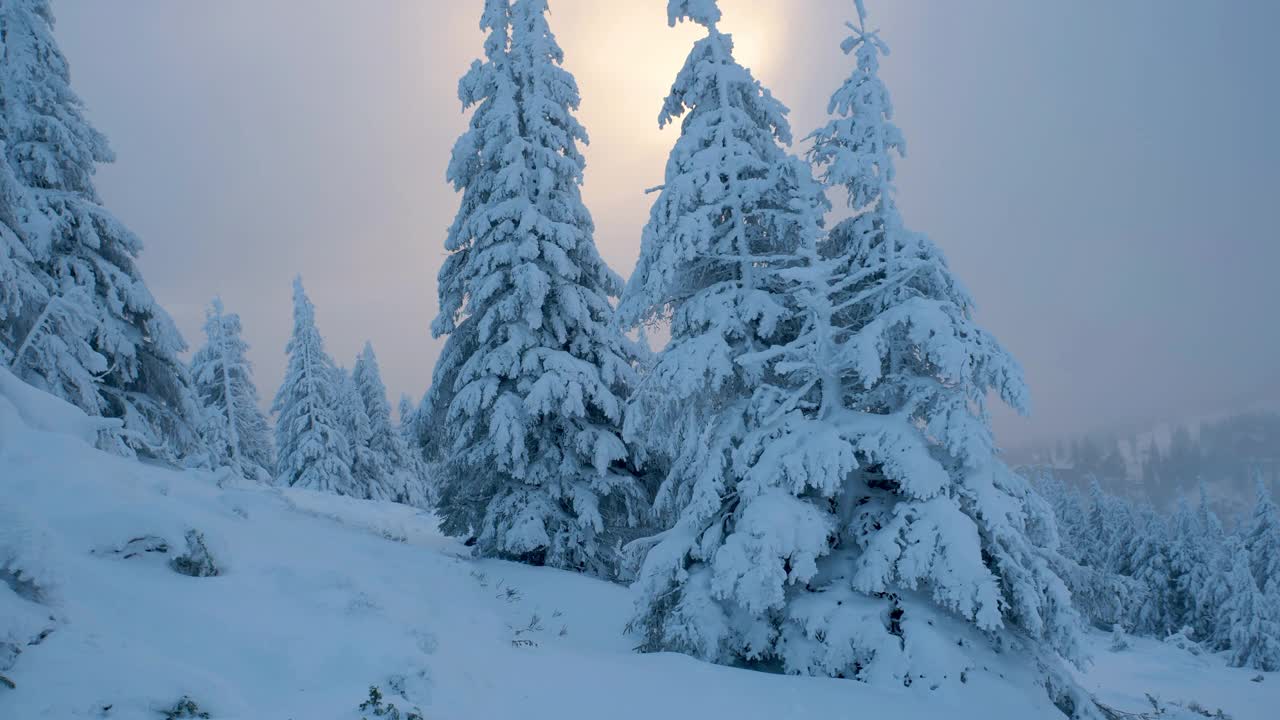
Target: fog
column 1101, row 175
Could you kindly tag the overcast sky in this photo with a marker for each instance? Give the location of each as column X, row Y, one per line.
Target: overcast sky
column 1102, row 175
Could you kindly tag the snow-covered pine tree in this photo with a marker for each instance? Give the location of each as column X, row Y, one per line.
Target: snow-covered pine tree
column 370, row 474
column 832, row 471
column 407, row 424
column 1068, row 512
column 928, row 512
column 531, row 381
column 405, row 410
column 1262, row 539
column 734, row 218
column 234, row 428
column 1188, row 570
column 44, row 337
column 1248, row 619
column 312, row 450
column 1204, row 584
column 405, row 481
column 129, row 366
column 1219, row 587
column 1101, row 587
column 1099, row 532
column 22, row 289
column 1149, row 563
column 411, row 435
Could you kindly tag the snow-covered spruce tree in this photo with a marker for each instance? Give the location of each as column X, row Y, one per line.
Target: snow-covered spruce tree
column 1203, row 584
column 1068, row 512
column 930, row 508
column 1188, row 571
column 737, row 217
column 1151, row 613
column 370, row 474
column 39, row 328
column 311, row 449
column 93, row 287
column 834, row 486
column 731, row 217
column 412, row 431
column 404, row 474
column 1219, row 587
column 234, row 428
column 1262, row 539
column 1124, row 580
column 1100, row 586
column 531, row 381
column 406, row 411
column 23, row 285
column 1249, row 619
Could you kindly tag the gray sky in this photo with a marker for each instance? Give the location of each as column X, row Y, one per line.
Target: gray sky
column 1102, row 175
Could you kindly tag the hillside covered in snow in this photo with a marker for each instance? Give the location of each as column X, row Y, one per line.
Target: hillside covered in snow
column 130, row 587
column 795, row 507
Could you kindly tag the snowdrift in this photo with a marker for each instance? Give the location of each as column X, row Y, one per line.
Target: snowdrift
column 128, row 589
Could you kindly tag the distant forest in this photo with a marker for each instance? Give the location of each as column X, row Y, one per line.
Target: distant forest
column 1228, row 455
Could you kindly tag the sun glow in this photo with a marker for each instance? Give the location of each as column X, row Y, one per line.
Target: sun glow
column 625, row 57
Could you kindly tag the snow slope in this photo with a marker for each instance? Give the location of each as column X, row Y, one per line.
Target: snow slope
column 1173, row 675
column 320, row 596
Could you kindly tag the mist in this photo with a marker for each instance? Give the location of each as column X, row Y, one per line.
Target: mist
column 1099, row 174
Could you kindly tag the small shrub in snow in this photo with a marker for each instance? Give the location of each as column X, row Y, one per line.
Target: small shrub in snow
column 1182, row 640
column 510, row 594
column 185, row 707
column 377, row 708
column 142, row 545
column 1119, row 641
column 520, row 636
column 198, row 561
column 1160, row 709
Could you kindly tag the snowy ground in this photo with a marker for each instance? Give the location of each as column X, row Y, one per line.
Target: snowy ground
column 320, row 596
column 1122, row 680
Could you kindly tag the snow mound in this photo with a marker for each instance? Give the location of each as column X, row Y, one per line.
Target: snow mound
column 318, row 597
column 24, row 406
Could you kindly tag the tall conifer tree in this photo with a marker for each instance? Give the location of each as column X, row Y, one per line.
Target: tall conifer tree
column 730, row 223
column 234, row 428
column 834, row 482
column 100, row 340
column 531, row 381
column 313, row 451
column 1262, row 539
column 370, row 474
column 404, row 476
column 22, row 291
column 930, row 507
